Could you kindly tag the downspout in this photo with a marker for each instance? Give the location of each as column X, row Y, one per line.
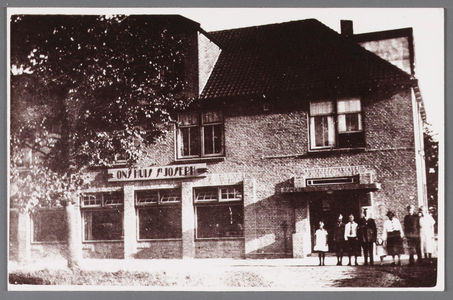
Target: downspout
column 419, row 119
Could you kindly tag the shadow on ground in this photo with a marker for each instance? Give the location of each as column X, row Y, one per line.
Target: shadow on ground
column 424, row 275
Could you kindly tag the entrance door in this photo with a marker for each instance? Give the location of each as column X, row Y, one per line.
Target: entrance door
column 327, row 206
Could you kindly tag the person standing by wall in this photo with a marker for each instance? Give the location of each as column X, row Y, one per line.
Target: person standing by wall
column 393, row 234
column 338, row 239
column 350, row 236
column 412, row 234
column 321, row 243
column 427, row 233
column 367, row 235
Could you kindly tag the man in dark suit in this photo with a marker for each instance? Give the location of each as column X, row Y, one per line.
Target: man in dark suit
column 338, row 238
column 412, row 234
column 367, row 235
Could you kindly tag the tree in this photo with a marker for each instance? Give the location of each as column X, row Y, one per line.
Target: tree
column 432, row 169
column 85, row 89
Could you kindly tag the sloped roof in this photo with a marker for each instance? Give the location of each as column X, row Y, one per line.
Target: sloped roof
column 293, row 56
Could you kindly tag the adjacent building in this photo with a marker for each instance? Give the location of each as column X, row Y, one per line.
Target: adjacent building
column 293, row 123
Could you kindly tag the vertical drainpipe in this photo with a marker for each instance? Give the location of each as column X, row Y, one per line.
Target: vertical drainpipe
column 419, row 149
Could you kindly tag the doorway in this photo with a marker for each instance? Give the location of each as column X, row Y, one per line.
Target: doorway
column 326, row 206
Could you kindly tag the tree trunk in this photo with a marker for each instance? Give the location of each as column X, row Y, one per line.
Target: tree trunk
column 74, row 249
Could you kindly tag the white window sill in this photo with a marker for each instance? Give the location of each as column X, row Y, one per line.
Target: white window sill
column 200, row 159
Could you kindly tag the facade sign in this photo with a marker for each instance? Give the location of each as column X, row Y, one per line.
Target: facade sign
column 152, row 173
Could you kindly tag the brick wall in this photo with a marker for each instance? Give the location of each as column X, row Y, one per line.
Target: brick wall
column 103, row 250
column 159, row 249
column 49, row 251
column 219, row 249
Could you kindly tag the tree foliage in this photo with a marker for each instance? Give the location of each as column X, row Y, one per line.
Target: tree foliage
column 87, row 88
column 432, row 166
column 104, row 84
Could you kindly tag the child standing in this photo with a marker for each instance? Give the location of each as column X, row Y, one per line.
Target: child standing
column 380, row 250
column 321, row 243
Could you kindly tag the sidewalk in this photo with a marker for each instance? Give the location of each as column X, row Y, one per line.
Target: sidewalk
column 113, row 265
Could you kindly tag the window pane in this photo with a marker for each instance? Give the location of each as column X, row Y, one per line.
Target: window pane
column 208, row 140
column 195, row 146
column 91, row 199
column 113, row 198
column 160, row 222
column 321, row 108
column 144, row 197
column 189, row 119
column 170, row 196
column 349, row 122
column 212, row 117
column 324, row 133
column 218, row 138
column 230, row 193
column 50, row 226
column 191, row 141
column 104, row 224
column 220, row 221
column 185, row 134
column 206, row 194
column 213, row 139
column 348, row 105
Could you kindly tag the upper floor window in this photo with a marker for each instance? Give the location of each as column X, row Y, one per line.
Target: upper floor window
column 200, row 134
column 336, row 124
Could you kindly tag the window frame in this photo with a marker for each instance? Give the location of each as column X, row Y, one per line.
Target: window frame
column 335, row 115
column 103, row 206
column 218, row 202
column 156, row 205
column 201, row 128
column 34, row 215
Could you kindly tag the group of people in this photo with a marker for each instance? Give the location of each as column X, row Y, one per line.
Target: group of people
column 352, row 237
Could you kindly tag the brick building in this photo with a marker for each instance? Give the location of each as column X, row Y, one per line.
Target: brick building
column 293, row 123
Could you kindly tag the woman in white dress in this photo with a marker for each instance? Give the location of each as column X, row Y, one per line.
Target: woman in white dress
column 427, row 233
column 321, row 243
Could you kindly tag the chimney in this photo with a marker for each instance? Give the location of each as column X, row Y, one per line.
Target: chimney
column 346, row 28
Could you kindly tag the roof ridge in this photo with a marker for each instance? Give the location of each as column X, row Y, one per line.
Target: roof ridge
column 268, row 25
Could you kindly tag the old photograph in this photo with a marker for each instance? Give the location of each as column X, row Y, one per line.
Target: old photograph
column 227, row 149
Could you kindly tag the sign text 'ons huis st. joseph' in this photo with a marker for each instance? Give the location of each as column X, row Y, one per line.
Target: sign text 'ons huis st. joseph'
column 152, row 173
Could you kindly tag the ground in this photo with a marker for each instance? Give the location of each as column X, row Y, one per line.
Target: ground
column 283, row 274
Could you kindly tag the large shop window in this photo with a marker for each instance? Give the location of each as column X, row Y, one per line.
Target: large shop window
column 49, row 225
column 200, row 134
column 159, row 214
column 219, row 212
column 103, row 216
column 336, row 124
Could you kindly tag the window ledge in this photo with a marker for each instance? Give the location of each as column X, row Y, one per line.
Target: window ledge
column 49, row 242
column 320, row 152
column 334, row 151
column 220, row 239
column 142, row 241
column 102, row 241
column 199, row 159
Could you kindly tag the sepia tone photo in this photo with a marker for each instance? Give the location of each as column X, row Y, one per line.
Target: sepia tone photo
column 226, row 149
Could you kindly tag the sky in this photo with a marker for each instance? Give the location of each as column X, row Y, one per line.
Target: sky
column 427, row 24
